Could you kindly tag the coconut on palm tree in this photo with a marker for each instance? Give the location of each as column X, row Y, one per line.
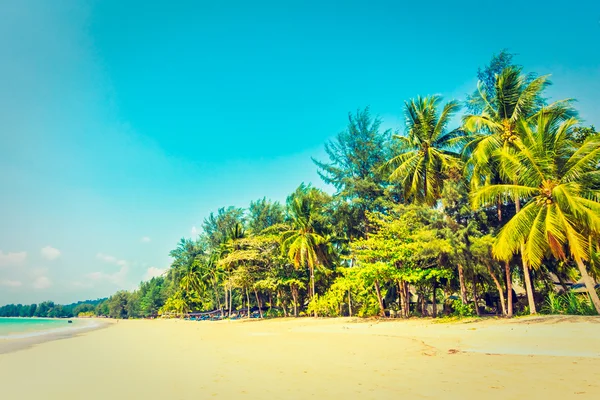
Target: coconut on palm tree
column 517, row 97
column 427, row 149
column 551, row 173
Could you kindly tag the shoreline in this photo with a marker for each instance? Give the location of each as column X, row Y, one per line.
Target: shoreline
column 22, row 341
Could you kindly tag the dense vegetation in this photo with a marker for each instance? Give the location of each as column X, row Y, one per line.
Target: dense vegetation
column 447, row 215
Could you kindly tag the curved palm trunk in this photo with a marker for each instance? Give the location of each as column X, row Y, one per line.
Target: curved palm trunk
column 589, row 285
column 528, row 286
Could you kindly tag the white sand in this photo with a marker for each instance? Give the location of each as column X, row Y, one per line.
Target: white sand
column 308, row 358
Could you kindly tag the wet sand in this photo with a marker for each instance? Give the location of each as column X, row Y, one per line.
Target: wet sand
column 548, row 358
column 29, row 339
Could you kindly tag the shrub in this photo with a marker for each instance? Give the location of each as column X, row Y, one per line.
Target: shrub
column 462, row 310
column 569, row 303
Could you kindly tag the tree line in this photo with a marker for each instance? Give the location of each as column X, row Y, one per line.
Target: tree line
column 48, row 309
column 433, row 218
column 447, row 215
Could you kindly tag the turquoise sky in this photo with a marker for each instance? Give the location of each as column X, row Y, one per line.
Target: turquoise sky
column 123, row 124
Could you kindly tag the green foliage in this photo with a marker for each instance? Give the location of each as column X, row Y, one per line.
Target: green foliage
column 568, row 303
column 462, row 310
column 428, row 152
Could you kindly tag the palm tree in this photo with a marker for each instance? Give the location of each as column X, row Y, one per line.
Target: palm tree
column 305, row 247
column 562, row 211
column 517, row 97
column 427, row 150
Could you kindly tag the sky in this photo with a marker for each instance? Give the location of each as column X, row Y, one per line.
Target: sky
column 124, row 124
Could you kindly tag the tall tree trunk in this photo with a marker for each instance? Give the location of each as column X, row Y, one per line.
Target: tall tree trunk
column 258, row 303
column 589, row 284
column 295, row 298
column 230, row 299
column 433, row 297
column 380, row 299
column 509, row 298
column 248, row 300
column 312, row 285
column 349, row 304
column 402, row 296
column 282, row 302
column 475, row 297
column 407, row 298
column 499, row 287
column 270, row 300
column 463, row 287
column 528, row 286
column 227, row 301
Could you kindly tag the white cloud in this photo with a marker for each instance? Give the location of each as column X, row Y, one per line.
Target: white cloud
column 42, row 282
column 10, row 283
column 12, row 258
column 153, row 272
column 50, row 253
column 194, row 231
column 117, row 278
column 110, row 259
column 145, row 239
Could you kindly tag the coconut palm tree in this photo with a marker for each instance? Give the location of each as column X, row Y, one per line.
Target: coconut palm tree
column 304, row 246
column 517, row 97
column 551, row 172
column 427, row 150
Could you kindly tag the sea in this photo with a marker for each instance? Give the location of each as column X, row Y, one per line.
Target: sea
column 26, row 327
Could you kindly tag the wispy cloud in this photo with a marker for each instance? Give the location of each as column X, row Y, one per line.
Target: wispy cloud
column 116, row 278
column 153, row 272
column 10, row 259
column 194, row 231
column 42, row 282
column 145, row 239
column 111, row 259
column 50, row 253
column 9, row 283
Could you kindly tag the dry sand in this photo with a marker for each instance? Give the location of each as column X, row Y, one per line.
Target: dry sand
column 548, row 358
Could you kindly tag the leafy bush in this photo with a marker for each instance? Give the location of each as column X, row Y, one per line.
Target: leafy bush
column 569, row 303
column 273, row 313
column 326, row 305
column 462, row 310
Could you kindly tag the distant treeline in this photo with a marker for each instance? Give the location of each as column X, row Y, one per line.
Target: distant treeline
column 48, row 309
column 144, row 302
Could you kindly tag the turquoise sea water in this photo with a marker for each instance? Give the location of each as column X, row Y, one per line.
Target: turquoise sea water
column 14, row 327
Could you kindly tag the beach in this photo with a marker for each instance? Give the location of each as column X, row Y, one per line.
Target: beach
column 544, row 357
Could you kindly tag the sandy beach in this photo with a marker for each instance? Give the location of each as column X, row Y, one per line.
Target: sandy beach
column 550, row 357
